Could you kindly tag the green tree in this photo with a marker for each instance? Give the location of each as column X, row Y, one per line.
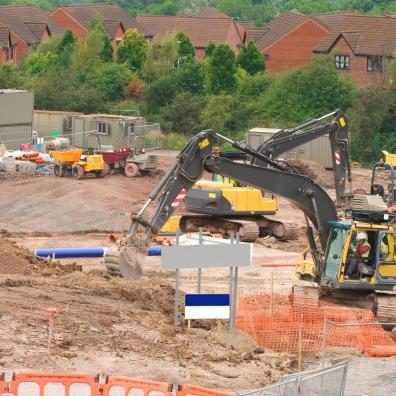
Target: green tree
column 210, row 49
column 372, row 120
column 158, row 94
column 65, row 48
column 253, row 86
column 10, row 76
column 224, row 113
column 89, row 49
column 133, row 50
column 310, row 91
column 161, row 57
column 182, row 114
column 190, row 78
column 251, row 59
column 222, row 70
column 39, row 63
column 68, row 41
column 185, row 48
column 168, row 7
column 111, row 79
column 107, row 53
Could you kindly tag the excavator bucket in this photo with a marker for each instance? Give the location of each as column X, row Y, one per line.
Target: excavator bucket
column 131, row 261
column 125, row 261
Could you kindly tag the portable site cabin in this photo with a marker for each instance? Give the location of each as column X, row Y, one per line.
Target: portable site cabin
column 114, row 130
column 46, row 122
column 317, row 150
column 16, row 117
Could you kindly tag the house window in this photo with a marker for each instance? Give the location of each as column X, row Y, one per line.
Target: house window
column 131, row 128
column 342, row 62
column 103, row 128
column 374, row 63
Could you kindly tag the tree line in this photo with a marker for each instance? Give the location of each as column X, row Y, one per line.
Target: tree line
column 225, row 91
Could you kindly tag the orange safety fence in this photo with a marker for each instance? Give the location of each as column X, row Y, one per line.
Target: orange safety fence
column 283, row 323
column 190, row 390
column 33, row 384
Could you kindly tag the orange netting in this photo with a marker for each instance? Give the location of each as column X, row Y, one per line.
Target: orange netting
column 276, row 322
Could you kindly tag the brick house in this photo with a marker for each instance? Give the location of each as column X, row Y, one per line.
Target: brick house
column 217, row 28
column 28, row 26
column 287, row 41
column 362, row 47
column 6, row 47
column 115, row 20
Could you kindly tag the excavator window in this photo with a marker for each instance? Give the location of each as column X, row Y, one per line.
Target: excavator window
column 334, row 252
column 372, row 239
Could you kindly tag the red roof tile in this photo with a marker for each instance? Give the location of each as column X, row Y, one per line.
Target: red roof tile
column 200, row 30
column 366, row 35
column 255, row 34
column 332, row 19
column 4, row 37
column 280, row 26
column 23, row 19
column 83, row 14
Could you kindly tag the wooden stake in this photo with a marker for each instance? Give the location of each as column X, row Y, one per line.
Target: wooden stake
column 219, row 326
column 189, row 324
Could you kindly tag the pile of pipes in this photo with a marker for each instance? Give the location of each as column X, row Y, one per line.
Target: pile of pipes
column 22, row 161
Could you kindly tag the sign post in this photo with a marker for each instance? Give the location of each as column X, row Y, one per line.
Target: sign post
column 201, row 256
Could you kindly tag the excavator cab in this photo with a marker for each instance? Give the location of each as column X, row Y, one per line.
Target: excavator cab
column 377, row 269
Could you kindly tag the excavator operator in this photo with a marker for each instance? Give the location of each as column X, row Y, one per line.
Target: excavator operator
column 360, row 257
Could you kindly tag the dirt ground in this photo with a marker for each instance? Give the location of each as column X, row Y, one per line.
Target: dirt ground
column 125, row 327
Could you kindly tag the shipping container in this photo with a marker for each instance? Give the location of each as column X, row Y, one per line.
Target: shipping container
column 16, row 117
column 317, row 150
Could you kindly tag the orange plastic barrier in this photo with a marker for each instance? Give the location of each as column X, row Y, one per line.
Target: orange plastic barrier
column 124, row 386
column 191, row 390
column 275, row 323
column 50, row 385
column 88, row 385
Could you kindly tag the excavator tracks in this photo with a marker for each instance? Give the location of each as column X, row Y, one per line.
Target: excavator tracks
column 249, row 227
column 383, row 305
column 248, row 230
column 386, row 307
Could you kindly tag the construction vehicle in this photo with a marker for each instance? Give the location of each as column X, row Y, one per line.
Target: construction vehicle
column 130, row 161
column 225, row 209
column 386, row 188
column 335, row 235
column 77, row 163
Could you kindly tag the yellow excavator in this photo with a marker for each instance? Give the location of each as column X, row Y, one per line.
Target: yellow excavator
column 375, row 283
column 223, row 208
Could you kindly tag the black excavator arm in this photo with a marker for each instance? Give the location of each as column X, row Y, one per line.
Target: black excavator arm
column 335, row 124
column 196, row 157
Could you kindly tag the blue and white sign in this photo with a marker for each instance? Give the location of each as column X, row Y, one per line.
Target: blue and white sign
column 207, row 306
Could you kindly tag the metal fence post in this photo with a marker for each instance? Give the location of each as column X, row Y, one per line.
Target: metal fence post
column 177, row 284
column 200, row 269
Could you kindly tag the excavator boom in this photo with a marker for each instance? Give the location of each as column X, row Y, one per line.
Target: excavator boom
column 336, row 126
column 196, row 157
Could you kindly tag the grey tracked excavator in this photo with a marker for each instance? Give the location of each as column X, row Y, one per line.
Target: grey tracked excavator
column 224, row 209
column 374, row 286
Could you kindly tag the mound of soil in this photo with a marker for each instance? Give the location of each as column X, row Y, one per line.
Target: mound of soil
column 315, row 171
column 17, row 260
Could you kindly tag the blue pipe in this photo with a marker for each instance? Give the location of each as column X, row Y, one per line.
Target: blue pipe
column 154, row 251
column 72, row 252
column 86, row 252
